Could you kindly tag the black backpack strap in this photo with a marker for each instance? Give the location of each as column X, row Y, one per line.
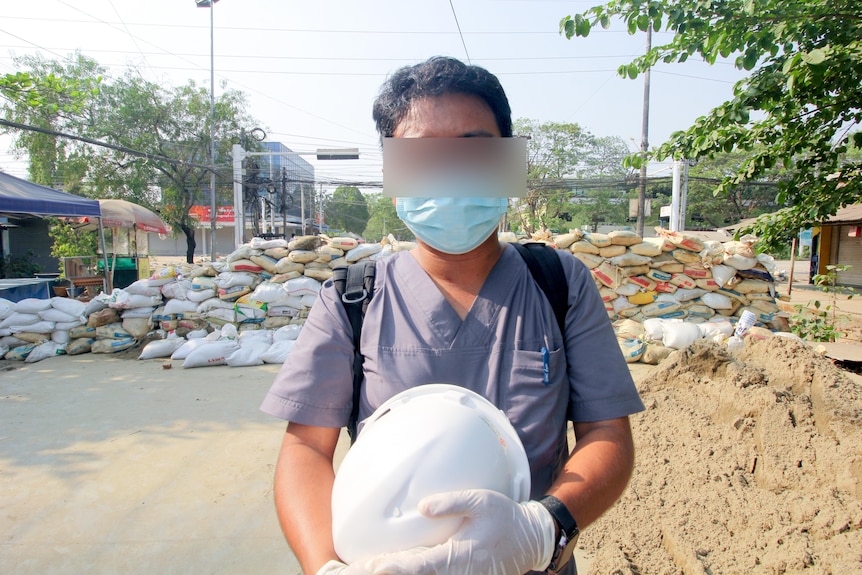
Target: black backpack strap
column 547, row 271
column 355, row 285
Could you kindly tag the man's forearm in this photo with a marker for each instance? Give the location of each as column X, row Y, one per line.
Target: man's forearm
column 598, row 470
column 303, row 493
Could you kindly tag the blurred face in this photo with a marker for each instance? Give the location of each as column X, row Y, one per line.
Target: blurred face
column 455, row 204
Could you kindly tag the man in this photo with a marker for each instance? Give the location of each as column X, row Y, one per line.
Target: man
column 461, row 308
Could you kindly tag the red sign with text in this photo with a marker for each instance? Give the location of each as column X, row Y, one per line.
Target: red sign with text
column 224, row 214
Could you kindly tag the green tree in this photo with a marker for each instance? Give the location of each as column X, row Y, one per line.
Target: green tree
column 347, row 210
column 69, row 242
column 798, row 108
column 54, row 95
column 384, row 220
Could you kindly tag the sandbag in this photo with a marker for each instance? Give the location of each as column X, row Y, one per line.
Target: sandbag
column 592, row 261
column 630, row 329
column 143, row 287
column 624, row 238
column 19, row 318
column 248, row 354
column 625, row 289
column 630, row 259
column 320, row 275
column 682, row 281
column 583, row 247
column 739, row 262
column 722, row 274
column 611, row 251
column 38, row 327
column 277, row 253
column 60, row 336
column 646, row 248
column 265, row 262
column 659, row 308
column 302, row 256
column 137, row 327
column 20, row 352
column 632, row 349
column 342, row 243
column 716, row 301
column 233, row 293
column 684, row 241
column 362, row 251
column 202, row 283
column 563, row 241
column 198, row 296
column 679, row 334
column 696, row 272
column 79, row 346
column 69, row 306
column 598, row 240
column 44, row 351
column 302, row 286
column 608, row 274
column 286, row 265
column 654, row 354
column 112, row 331
column 642, row 282
column 230, row 279
column 126, row 300
column 643, row 298
column 264, row 244
column 83, row 331
column 630, row 271
column 177, row 290
column 269, row 292
column 708, row 284
column 7, row 307
column 32, row 305
column 112, row 345
column 686, row 294
column 685, row 256
column 161, row 348
column 162, row 276
column 210, row 354
column 32, row 337
column 278, row 352
column 751, row 286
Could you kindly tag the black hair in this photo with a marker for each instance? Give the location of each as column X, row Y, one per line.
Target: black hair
column 435, row 77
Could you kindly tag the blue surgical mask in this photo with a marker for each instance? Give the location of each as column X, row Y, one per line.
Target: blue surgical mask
column 453, row 225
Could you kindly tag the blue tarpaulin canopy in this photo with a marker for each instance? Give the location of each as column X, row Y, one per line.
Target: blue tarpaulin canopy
column 19, row 196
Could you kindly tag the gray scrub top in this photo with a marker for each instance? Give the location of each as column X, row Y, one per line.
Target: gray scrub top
column 412, row 336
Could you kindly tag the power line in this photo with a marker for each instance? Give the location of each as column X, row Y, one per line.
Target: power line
column 461, row 34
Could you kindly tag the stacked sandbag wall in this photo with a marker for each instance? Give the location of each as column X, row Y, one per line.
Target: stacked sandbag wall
column 674, row 288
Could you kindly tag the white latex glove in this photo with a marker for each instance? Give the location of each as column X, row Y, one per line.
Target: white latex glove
column 498, row 537
column 339, row 568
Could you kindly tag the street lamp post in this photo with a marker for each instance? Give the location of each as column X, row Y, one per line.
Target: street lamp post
column 211, row 5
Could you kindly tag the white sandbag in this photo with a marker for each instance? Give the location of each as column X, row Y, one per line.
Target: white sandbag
column 228, row 332
column 213, row 353
column 163, row 276
column 308, row 300
column 302, row 286
column 213, row 303
column 143, row 287
column 137, row 327
column 622, row 303
column 67, row 305
column 288, row 332
column 96, row 304
column 32, row 305
column 177, row 290
column 198, row 296
column 183, row 351
column 44, row 351
column 8, row 307
column 263, row 244
column 203, row 283
column 684, row 295
column 180, row 306
column 627, row 289
column 717, row 300
column 768, row 262
column 248, row 354
column 56, row 315
column 60, row 336
column 278, row 352
column 38, row 327
column 739, row 262
column 362, row 251
column 18, row 318
column 67, row 325
column 716, row 328
column 112, row 345
column 722, row 274
column 225, row 315
column 269, row 292
column 11, row 341
column 243, row 253
column 197, row 334
column 679, row 334
column 146, row 312
column 161, row 348
column 231, row 279
column 248, row 335
column 125, row 300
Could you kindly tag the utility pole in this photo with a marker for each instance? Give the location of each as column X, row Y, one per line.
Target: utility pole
column 644, row 141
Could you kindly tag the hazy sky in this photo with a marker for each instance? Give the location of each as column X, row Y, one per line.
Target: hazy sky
column 312, row 68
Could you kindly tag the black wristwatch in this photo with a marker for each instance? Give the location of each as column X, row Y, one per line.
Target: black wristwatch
column 569, row 532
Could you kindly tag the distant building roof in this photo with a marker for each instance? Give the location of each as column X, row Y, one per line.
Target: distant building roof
column 847, row 215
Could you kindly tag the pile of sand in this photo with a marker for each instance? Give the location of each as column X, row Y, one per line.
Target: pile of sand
column 746, row 463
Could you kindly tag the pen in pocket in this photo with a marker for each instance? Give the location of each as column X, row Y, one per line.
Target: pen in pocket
column 546, row 366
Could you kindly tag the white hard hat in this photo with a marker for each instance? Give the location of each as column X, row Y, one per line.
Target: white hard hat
column 426, row 440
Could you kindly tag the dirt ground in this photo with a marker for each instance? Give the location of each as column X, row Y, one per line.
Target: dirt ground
column 746, row 463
